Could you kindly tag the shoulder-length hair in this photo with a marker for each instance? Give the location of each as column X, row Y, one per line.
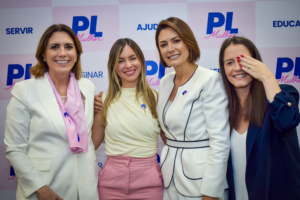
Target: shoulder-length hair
column 256, row 103
column 41, row 67
column 115, row 84
column 186, row 35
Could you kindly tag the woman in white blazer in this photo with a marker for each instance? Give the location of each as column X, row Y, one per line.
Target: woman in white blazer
column 48, row 125
column 192, row 112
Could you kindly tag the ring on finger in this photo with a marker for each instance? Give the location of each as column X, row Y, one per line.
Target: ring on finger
column 248, row 66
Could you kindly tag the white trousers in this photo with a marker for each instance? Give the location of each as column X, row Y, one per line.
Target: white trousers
column 172, row 194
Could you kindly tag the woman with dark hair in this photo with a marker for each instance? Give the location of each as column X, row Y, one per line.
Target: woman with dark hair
column 48, row 125
column 129, row 124
column 264, row 162
column 192, row 112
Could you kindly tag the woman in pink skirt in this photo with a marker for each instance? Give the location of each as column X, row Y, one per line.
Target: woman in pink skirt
column 128, row 121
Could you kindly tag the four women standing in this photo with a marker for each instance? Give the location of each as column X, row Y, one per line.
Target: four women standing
column 192, row 111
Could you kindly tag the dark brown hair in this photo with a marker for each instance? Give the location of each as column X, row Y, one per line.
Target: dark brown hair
column 41, row 67
column 256, row 103
column 114, row 86
column 184, row 32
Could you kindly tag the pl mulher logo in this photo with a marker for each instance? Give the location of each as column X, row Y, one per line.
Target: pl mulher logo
column 153, row 68
column 285, row 65
column 217, row 20
column 16, row 71
column 82, row 23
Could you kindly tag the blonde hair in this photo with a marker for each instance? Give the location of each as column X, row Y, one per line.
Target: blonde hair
column 115, row 84
column 41, row 67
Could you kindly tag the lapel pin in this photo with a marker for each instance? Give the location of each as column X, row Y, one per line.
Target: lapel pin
column 143, row 106
column 184, row 92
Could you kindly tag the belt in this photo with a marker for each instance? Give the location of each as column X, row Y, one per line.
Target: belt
column 188, row 144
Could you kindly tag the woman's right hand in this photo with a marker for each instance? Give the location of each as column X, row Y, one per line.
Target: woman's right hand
column 45, row 193
column 98, row 102
column 260, row 71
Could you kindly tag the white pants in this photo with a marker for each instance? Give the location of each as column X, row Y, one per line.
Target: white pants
column 172, row 194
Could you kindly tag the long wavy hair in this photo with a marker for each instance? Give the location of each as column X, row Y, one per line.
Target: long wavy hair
column 256, row 103
column 114, row 87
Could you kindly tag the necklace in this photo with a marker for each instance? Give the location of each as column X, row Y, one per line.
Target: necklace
column 62, row 93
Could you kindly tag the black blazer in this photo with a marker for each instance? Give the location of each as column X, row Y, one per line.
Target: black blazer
column 273, row 154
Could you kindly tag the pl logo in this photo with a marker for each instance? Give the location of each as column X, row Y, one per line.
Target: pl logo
column 212, row 23
column 85, row 24
column 289, row 66
column 154, row 68
column 16, row 71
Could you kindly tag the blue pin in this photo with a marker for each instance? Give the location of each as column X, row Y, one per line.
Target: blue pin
column 184, row 92
column 143, row 106
column 78, row 137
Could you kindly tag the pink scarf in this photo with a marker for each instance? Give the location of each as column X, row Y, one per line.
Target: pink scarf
column 73, row 115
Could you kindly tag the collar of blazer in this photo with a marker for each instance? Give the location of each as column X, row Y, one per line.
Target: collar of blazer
column 251, row 137
column 50, row 104
column 168, row 85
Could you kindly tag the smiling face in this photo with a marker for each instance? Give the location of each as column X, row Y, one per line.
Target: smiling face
column 60, row 54
column 173, row 50
column 236, row 76
column 128, row 68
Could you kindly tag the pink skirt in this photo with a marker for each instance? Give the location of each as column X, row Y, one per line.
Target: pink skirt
column 125, row 177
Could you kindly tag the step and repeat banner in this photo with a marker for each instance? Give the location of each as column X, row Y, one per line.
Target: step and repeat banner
column 274, row 26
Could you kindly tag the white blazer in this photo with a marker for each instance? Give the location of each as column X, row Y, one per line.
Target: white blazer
column 37, row 144
column 198, row 113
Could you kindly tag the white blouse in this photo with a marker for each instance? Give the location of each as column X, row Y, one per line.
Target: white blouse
column 238, row 153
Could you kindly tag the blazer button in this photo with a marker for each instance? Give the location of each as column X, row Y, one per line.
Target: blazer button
column 289, row 104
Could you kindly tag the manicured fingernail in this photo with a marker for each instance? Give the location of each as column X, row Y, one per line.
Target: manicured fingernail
column 238, row 60
column 242, row 55
column 238, row 57
column 241, row 66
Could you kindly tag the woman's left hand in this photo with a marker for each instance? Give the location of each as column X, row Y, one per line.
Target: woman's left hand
column 255, row 68
column 209, row 198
